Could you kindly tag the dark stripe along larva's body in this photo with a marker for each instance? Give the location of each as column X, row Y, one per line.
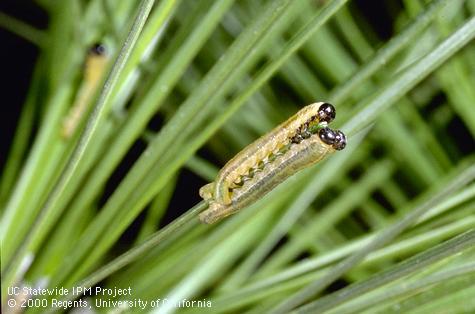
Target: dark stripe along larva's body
column 268, row 161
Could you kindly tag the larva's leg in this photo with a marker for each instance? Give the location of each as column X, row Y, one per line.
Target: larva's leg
column 215, row 212
column 206, row 191
column 222, row 193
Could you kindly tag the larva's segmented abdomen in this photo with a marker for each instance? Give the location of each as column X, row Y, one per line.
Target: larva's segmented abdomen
column 297, row 158
column 252, row 155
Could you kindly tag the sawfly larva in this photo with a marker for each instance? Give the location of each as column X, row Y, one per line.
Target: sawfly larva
column 301, row 141
column 94, row 67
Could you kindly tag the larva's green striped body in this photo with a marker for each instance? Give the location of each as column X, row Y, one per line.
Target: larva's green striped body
column 257, row 169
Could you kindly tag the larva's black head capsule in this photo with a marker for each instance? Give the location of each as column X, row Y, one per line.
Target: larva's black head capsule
column 335, row 138
column 326, row 112
column 327, row 136
column 340, row 140
column 98, row 49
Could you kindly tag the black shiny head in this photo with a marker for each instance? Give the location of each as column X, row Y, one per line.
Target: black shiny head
column 327, row 135
column 334, row 138
column 98, row 49
column 326, row 112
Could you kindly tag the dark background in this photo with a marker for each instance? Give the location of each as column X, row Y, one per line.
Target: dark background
column 17, row 59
